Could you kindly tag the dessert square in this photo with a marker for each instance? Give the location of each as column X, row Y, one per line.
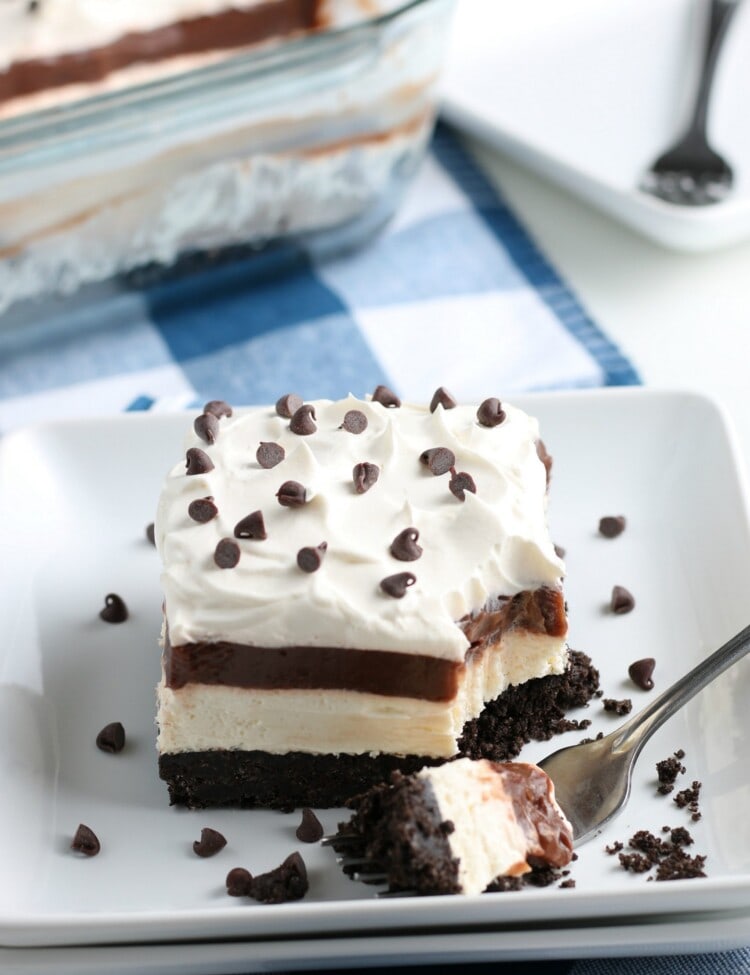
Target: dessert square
column 353, row 588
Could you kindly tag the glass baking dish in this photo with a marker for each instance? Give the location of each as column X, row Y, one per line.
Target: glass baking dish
column 311, row 139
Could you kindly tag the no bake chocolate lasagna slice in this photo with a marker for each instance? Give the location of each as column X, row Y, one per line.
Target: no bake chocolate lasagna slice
column 352, row 588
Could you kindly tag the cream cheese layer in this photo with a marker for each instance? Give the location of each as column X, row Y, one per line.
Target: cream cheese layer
column 493, row 543
column 200, row 717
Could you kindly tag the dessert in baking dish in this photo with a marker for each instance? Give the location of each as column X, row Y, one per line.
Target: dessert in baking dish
column 147, row 136
column 355, row 587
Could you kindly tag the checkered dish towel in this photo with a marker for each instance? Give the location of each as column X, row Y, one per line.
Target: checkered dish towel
column 454, row 293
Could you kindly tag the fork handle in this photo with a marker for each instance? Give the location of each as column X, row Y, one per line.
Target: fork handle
column 719, row 18
column 634, row 734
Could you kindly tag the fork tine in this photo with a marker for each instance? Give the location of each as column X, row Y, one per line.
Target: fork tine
column 370, row 878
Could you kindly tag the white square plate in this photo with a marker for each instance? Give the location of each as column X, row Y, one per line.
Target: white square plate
column 588, row 94
column 76, row 498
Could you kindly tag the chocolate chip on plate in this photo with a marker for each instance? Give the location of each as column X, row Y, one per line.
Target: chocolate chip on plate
column 396, row 585
column 460, row 483
column 203, row 510
column 641, row 673
column 302, row 422
column 438, row 459
column 441, row 397
column 288, row 405
column 238, row 882
column 227, row 553
column 210, row 843
column 218, row 408
column 310, row 559
column 269, row 454
column 385, row 396
column 310, row 830
column 622, row 600
column 115, row 610
column 150, row 533
column 85, row 841
column 291, row 494
column 197, row 461
column 354, row 421
column 111, row 738
column 490, row 412
column 207, row 427
column 364, row 476
column 251, row 526
column 612, row 525
column 404, row 546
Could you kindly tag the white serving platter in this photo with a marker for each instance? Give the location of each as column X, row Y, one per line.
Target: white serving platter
column 588, row 94
column 76, row 497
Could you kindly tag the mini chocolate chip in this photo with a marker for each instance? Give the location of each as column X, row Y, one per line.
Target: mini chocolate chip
column 490, row 412
column 197, row 461
column 32, row 6
column 612, row 525
column 85, row 841
column 210, row 843
column 269, row 454
column 218, row 408
column 150, row 533
column 227, row 553
column 559, row 551
column 364, row 476
column 641, row 673
column 438, row 459
column 203, row 509
column 385, row 396
column 404, row 546
column 460, row 483
column 396, row 585
column 111, row 738
column 441, row 397
column 238, row 882
column 310, row 830
column 291, row 494
column 622, row 601
column 207, row 427
column 354, row 421
column 310, row 559
column 115, row 610
column 302, row 421
column 288, row 405
column 251, row 526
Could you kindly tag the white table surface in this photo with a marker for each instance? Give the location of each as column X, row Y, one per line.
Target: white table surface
column 682, row 319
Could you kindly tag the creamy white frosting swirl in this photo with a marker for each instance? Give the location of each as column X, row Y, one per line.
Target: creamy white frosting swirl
column 494, row 543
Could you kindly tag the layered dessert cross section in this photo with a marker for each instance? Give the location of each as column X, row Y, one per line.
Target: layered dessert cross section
column 458, row 828
column 348, row 587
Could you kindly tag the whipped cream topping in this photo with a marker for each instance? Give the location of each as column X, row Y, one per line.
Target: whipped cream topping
column 494, row 543
column 62, row 26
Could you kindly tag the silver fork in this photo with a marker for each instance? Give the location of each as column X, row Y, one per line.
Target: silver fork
column 592, row 780
column 692, row 173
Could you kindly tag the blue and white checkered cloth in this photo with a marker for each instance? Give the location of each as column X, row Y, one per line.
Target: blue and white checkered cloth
column 453, row 293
